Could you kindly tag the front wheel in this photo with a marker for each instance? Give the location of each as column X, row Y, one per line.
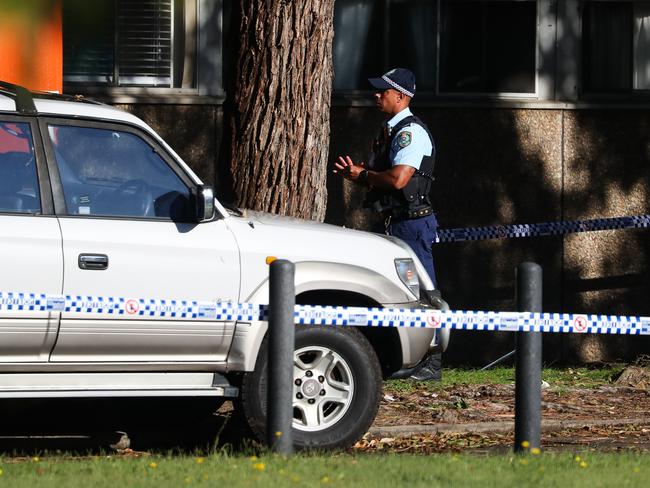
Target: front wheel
column 336, row 388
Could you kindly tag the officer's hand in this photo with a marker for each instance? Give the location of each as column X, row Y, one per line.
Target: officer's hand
column 347, row 168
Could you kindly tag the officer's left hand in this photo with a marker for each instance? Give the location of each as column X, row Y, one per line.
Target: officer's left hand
column 347, row 168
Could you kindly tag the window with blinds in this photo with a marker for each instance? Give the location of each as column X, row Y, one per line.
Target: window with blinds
column 126, row 43
column 144, row 42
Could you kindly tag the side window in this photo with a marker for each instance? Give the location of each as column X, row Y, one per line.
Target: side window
column 18, row 180
column 107, row 172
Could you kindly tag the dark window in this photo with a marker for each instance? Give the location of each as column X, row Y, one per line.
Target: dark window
column 412, row 39
column 358, row 44
column 371, row 37
column 129, row 42
column 88, row 41
column 113, row 173
column 615, row 47
column 488, row 46
column 19, row 190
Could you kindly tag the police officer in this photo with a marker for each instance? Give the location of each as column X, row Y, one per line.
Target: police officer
column 400, row 169
column 399, row 175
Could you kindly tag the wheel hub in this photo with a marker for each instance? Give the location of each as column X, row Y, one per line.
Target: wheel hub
column 310, row 388
column 323, row 388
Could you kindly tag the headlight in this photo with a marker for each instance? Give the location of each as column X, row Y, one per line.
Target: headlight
column 409, row 276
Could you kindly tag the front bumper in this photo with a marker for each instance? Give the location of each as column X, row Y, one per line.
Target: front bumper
column 417, row 343
column 434, row 300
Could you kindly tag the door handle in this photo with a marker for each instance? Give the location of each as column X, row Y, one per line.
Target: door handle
column 93, row 261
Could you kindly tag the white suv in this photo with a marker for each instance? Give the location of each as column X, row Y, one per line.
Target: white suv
column 94, row 203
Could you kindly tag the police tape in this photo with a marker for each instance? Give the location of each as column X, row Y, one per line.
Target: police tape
column 74, row 306
column 541, row 229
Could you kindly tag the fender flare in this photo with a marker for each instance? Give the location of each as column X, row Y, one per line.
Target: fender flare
column 311, row 276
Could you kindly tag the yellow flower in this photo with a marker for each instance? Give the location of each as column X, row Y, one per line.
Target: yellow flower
column 324, row 480
column 253, row 458
column 278, row 434
column 523, row 461
column 636, row 470
column 578, row 459
column 525, row 444
column 206, row 477
column 259, row 466
column 200, row 460
column 2, row 472
column 583, row 464
column 535, row 451
column 36, row 459
column 188, row 480
column 153, row 465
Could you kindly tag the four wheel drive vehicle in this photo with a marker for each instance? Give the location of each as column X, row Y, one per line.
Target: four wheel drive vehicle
column 93, row 202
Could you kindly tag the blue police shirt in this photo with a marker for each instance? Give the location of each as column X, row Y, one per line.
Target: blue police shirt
column 410, row 144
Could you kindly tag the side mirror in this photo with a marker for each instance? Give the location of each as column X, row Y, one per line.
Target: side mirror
column 204, row 203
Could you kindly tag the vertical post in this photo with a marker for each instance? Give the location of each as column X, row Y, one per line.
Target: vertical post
column 282, row 299
column 528, row 362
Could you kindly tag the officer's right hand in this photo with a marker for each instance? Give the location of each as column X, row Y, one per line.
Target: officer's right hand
column 347, row 168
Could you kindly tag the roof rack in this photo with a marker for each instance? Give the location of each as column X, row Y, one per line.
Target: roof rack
column 22, row 96
column 68, row 98
column 25, row 99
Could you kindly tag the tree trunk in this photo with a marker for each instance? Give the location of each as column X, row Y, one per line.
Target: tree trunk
column 280, row 122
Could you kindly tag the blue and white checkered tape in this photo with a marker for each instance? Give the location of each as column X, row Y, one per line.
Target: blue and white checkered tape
column 542, row 229
column 326, row 315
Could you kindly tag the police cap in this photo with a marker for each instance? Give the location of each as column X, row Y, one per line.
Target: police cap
column 400, row 79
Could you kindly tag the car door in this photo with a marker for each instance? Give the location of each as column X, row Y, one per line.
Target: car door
column 125, row 211
column 31, row 260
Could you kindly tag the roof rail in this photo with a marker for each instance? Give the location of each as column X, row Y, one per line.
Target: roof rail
column 25, row 99
column 67, row 98
column 22, row 96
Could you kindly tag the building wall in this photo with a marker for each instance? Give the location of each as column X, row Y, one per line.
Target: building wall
column 499, row 166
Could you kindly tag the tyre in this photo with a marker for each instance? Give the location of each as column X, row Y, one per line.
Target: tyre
column 336, row 391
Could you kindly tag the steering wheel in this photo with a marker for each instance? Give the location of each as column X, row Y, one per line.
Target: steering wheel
column 135, row 197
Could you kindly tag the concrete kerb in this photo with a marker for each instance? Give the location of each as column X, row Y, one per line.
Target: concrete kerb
column 504, row 427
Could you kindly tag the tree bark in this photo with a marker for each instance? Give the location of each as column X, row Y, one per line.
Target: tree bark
column 280, row 123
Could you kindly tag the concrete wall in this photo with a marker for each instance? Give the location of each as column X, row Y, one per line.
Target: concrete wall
column 500, row 166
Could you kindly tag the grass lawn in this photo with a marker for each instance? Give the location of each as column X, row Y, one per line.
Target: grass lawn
column 359, row 469
column 556, row 377
column 586, row 469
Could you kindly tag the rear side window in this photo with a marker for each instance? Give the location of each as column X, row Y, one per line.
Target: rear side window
column 106, row 172
column 19, row 191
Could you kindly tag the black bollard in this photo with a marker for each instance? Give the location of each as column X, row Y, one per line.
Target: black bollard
column 282, row 300
column 528, row 362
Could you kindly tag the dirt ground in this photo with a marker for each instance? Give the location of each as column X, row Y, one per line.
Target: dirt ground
column 494, row 403
column 605, row 417
column 429, row 418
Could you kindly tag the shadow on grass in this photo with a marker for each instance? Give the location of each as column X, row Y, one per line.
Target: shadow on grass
column 88, row 426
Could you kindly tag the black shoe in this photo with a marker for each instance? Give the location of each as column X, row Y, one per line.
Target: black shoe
column 425, row 374
column 428, row 370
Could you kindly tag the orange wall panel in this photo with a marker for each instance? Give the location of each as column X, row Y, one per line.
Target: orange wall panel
column 31, row 44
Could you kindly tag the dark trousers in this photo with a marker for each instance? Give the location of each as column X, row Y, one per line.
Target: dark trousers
column 419, row 234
